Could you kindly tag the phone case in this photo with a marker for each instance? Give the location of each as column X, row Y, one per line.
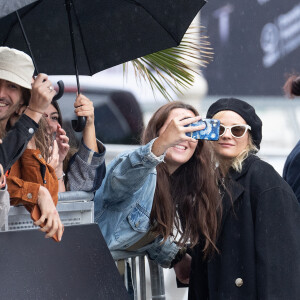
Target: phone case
column 210, row 132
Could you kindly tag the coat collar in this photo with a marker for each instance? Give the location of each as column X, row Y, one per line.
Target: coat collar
column 234, row 175
column 234, row 188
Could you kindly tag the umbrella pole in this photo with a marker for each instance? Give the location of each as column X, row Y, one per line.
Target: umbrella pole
column 27, row 42
column 61, row 86
column 68, row 8
column 78, row 125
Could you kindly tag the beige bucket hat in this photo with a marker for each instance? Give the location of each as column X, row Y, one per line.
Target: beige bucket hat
column 16, row 66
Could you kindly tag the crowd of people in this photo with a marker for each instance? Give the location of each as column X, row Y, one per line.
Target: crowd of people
column 225, row 220
column 35, row 153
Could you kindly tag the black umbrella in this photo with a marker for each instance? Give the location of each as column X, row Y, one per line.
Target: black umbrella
column 105, row 33
column 6, row 6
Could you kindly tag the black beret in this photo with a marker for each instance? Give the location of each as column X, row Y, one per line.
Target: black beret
column 245, row 110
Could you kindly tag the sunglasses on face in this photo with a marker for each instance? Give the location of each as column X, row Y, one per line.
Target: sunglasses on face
column 237, row 131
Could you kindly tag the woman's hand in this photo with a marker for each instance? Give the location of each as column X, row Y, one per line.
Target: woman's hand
column 54, row 159
column 84, row 108
column 62, row 143
column 175, row 133
column 60, row 150
column 183, row 268
column 49, row 214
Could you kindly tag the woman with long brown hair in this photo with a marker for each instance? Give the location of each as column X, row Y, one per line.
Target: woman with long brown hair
column 84, row 166
column 163, row 194
column 31, row 181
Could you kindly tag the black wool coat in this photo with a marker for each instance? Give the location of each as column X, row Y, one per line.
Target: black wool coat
column 259, row 241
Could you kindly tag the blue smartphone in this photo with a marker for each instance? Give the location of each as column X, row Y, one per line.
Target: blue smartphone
column 210, row 132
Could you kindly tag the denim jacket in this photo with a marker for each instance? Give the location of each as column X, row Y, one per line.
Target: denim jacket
column 124, row 201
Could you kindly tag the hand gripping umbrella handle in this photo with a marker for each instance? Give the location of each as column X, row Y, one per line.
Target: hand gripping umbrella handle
column 61, row 90
column 79, row 124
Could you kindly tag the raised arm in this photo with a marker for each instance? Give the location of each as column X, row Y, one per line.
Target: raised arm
column 84, row 108
column 15, row 141
column 127, row 173
column 86, row 168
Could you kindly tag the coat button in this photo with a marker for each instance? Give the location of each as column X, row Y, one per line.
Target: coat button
column 239, row 282
column 30, row 130
column 29, row 196
column 40, row 156
column 137, row 224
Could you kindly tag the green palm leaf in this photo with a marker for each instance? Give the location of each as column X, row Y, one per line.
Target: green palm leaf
column 174, row 68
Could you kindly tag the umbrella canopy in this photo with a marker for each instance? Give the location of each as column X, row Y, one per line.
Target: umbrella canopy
column 106, row 32
column 6, row 6
column 87, row 36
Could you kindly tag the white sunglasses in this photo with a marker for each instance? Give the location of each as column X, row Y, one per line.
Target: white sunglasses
column 237, row 131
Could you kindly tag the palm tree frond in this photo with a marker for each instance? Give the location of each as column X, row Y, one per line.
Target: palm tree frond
column 174, row 68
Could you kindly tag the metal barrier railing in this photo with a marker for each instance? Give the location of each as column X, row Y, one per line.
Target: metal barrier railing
column 135, row 275
column 78, row 208
column 74, row 207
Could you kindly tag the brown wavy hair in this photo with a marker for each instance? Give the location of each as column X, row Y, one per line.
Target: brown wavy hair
column 189, row 199
column 42, row 139
column 292, row 86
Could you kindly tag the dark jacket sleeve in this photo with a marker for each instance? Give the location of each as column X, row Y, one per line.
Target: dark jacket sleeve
column 277, row 243
column 291, row 171
column 16, row 140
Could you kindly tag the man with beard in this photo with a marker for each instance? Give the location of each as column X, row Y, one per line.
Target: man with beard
column 23, row 101
column 17, row 88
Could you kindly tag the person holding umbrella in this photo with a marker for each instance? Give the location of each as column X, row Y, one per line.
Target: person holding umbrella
column 259, row 237
column 166, row 184
column 15, row 79
column 18, row 89
column 84, row 167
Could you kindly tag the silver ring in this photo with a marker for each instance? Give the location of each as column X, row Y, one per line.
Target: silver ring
column 50, row 88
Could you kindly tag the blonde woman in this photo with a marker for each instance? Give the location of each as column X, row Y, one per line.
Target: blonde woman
column 259, row 237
